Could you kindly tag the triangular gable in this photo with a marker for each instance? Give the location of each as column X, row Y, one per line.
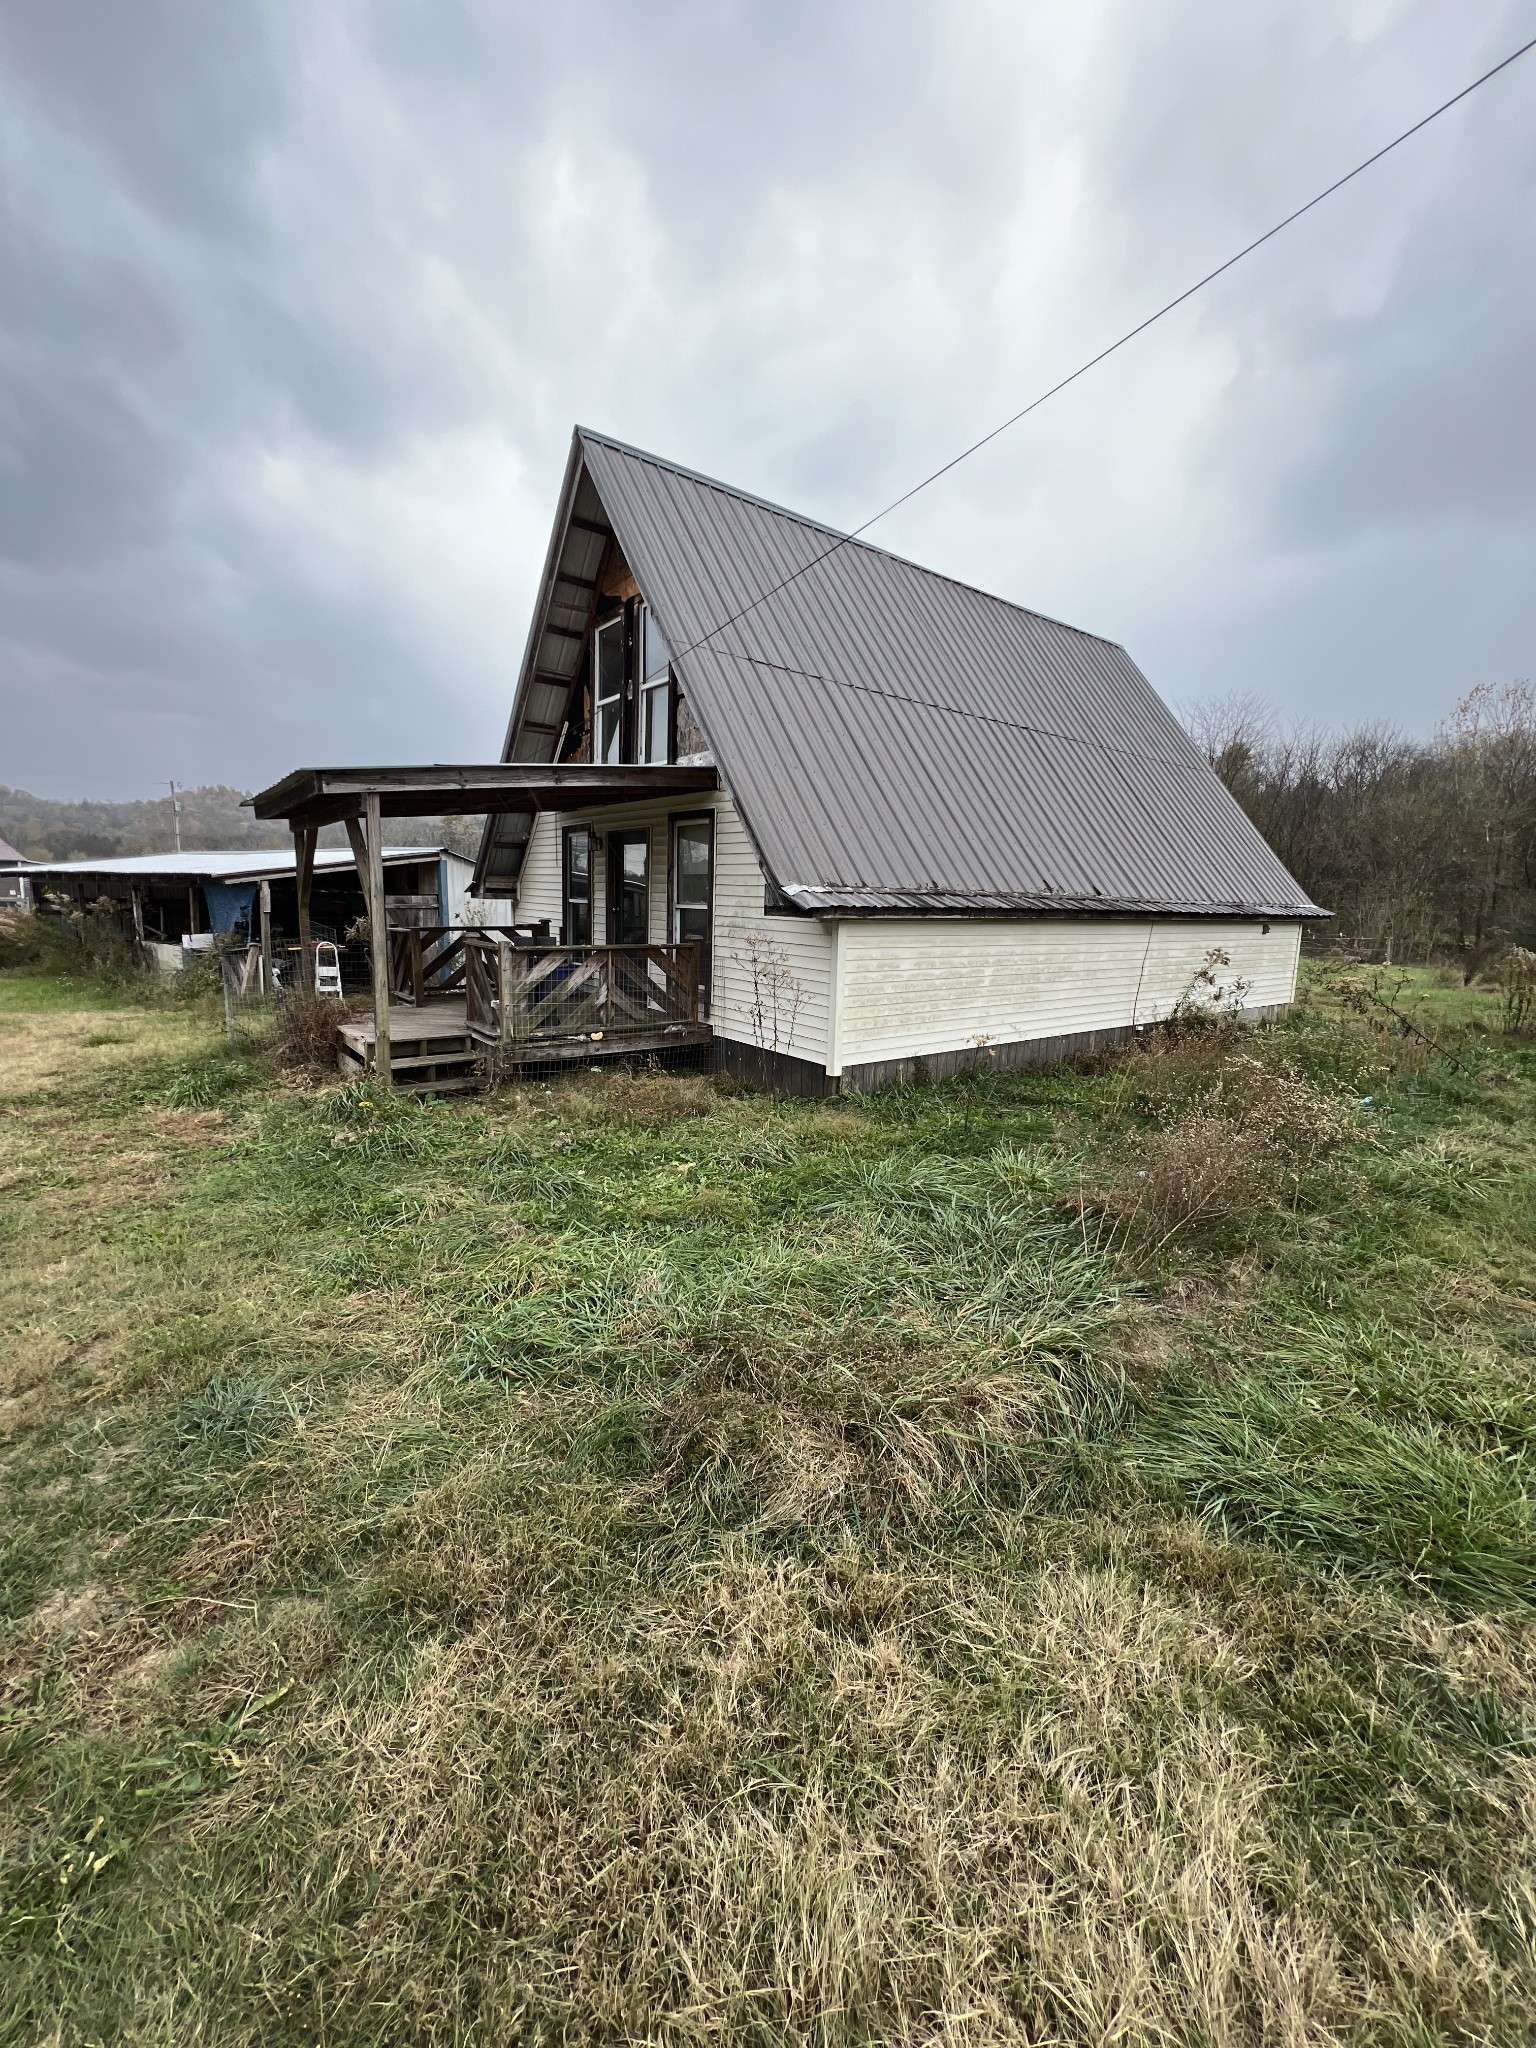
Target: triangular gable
column 894, row 739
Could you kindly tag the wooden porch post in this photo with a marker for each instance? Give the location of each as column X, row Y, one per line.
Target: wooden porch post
column 366, row 835
column 264, row 902
column 304, row 837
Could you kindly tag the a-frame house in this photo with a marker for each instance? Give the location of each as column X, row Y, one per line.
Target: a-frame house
column 942, row 826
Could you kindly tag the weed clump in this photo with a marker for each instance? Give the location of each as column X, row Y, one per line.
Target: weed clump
column 1247, row 1130
column 306, row 1034
column 647, row 1099
column 1513, row 974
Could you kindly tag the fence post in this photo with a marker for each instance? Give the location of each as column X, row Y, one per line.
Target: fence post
column 266, row 939
column 226, row 981
column 507, row 1020
column 693, row 969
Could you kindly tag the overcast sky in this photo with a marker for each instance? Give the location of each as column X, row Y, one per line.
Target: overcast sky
column 299, row 302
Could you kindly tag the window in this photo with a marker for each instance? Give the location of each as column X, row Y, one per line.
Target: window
column 576, row 888
column 608, row 690
column 632, row 692
column 655, row 735
column 693, row 877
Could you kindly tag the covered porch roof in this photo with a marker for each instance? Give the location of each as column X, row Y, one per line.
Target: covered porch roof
column 361, row 798
column 323, row 796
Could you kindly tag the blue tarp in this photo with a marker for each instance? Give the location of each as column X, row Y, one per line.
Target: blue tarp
column 229, row 904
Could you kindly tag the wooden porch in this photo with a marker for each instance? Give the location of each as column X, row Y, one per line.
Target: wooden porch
column 469, row 1003
column 450, row 1005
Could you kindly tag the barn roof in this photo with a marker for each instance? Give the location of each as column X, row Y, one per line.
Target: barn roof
column 248, row 864
column 896, row 741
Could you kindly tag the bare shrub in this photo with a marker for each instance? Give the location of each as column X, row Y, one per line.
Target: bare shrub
column 306, row 1033
column 1280, row 1107
column 777, row 992
column 1236, row 1148
column 1513, row 974
column 1167, row 1071
column 1175, row 1064
column 1206, row 1001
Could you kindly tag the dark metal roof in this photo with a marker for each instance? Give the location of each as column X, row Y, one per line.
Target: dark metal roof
column 898, row 741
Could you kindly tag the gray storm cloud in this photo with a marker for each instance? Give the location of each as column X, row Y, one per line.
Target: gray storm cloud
column 300, row 304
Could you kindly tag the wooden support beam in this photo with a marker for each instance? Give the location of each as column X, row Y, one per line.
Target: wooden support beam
column 264, row 904
column 367, row 838
column 305, row 838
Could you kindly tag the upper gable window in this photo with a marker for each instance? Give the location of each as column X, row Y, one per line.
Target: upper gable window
column 654, row 735
column 608, row 690
column 632, row 690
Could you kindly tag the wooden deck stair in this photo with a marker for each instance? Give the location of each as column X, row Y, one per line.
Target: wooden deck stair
column 431, row 1051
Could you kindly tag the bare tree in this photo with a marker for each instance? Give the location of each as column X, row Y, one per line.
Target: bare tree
column 1419, row 847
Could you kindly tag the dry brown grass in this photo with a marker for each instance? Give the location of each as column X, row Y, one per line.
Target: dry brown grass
column 40, row 1049
column 644, row 1097
column 1240, row 1133
column 989, row 1881
column 459, row 1611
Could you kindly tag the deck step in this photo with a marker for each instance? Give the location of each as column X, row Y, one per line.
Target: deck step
column 411, row 1061
column 446, row 1066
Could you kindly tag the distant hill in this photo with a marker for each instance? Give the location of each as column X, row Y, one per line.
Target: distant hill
column 44, row 828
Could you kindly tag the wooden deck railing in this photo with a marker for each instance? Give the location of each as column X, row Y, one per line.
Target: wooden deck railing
column 428, row 960
column 532, row 994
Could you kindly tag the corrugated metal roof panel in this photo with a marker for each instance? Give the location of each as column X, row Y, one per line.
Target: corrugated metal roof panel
column 914, row 902
column 896, row 739
column 247, row 864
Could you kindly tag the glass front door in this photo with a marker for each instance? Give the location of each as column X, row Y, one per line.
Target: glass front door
column 629, row 888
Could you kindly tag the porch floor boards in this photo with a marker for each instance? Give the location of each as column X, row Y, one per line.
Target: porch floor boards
column 409, row 1024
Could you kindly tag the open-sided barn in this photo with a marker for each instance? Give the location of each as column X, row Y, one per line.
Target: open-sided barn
column 177, row 903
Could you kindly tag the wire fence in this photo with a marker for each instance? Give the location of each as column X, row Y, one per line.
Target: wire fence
column 255, row 983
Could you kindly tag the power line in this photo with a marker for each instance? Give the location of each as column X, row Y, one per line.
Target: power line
column 1129, row 335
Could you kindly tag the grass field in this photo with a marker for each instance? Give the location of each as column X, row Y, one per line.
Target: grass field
column 1037, row 1559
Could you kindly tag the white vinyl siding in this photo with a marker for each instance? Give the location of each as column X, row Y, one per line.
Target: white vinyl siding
column 908, row 987
column 761, row 965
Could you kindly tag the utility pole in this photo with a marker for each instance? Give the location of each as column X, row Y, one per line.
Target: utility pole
column 175, row 815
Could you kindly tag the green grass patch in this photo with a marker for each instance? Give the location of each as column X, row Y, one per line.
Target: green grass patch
column 639, row 1562
column 24, row 994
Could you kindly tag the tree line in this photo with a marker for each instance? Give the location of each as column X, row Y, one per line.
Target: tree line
column 1424, row 849
column 213, row 816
